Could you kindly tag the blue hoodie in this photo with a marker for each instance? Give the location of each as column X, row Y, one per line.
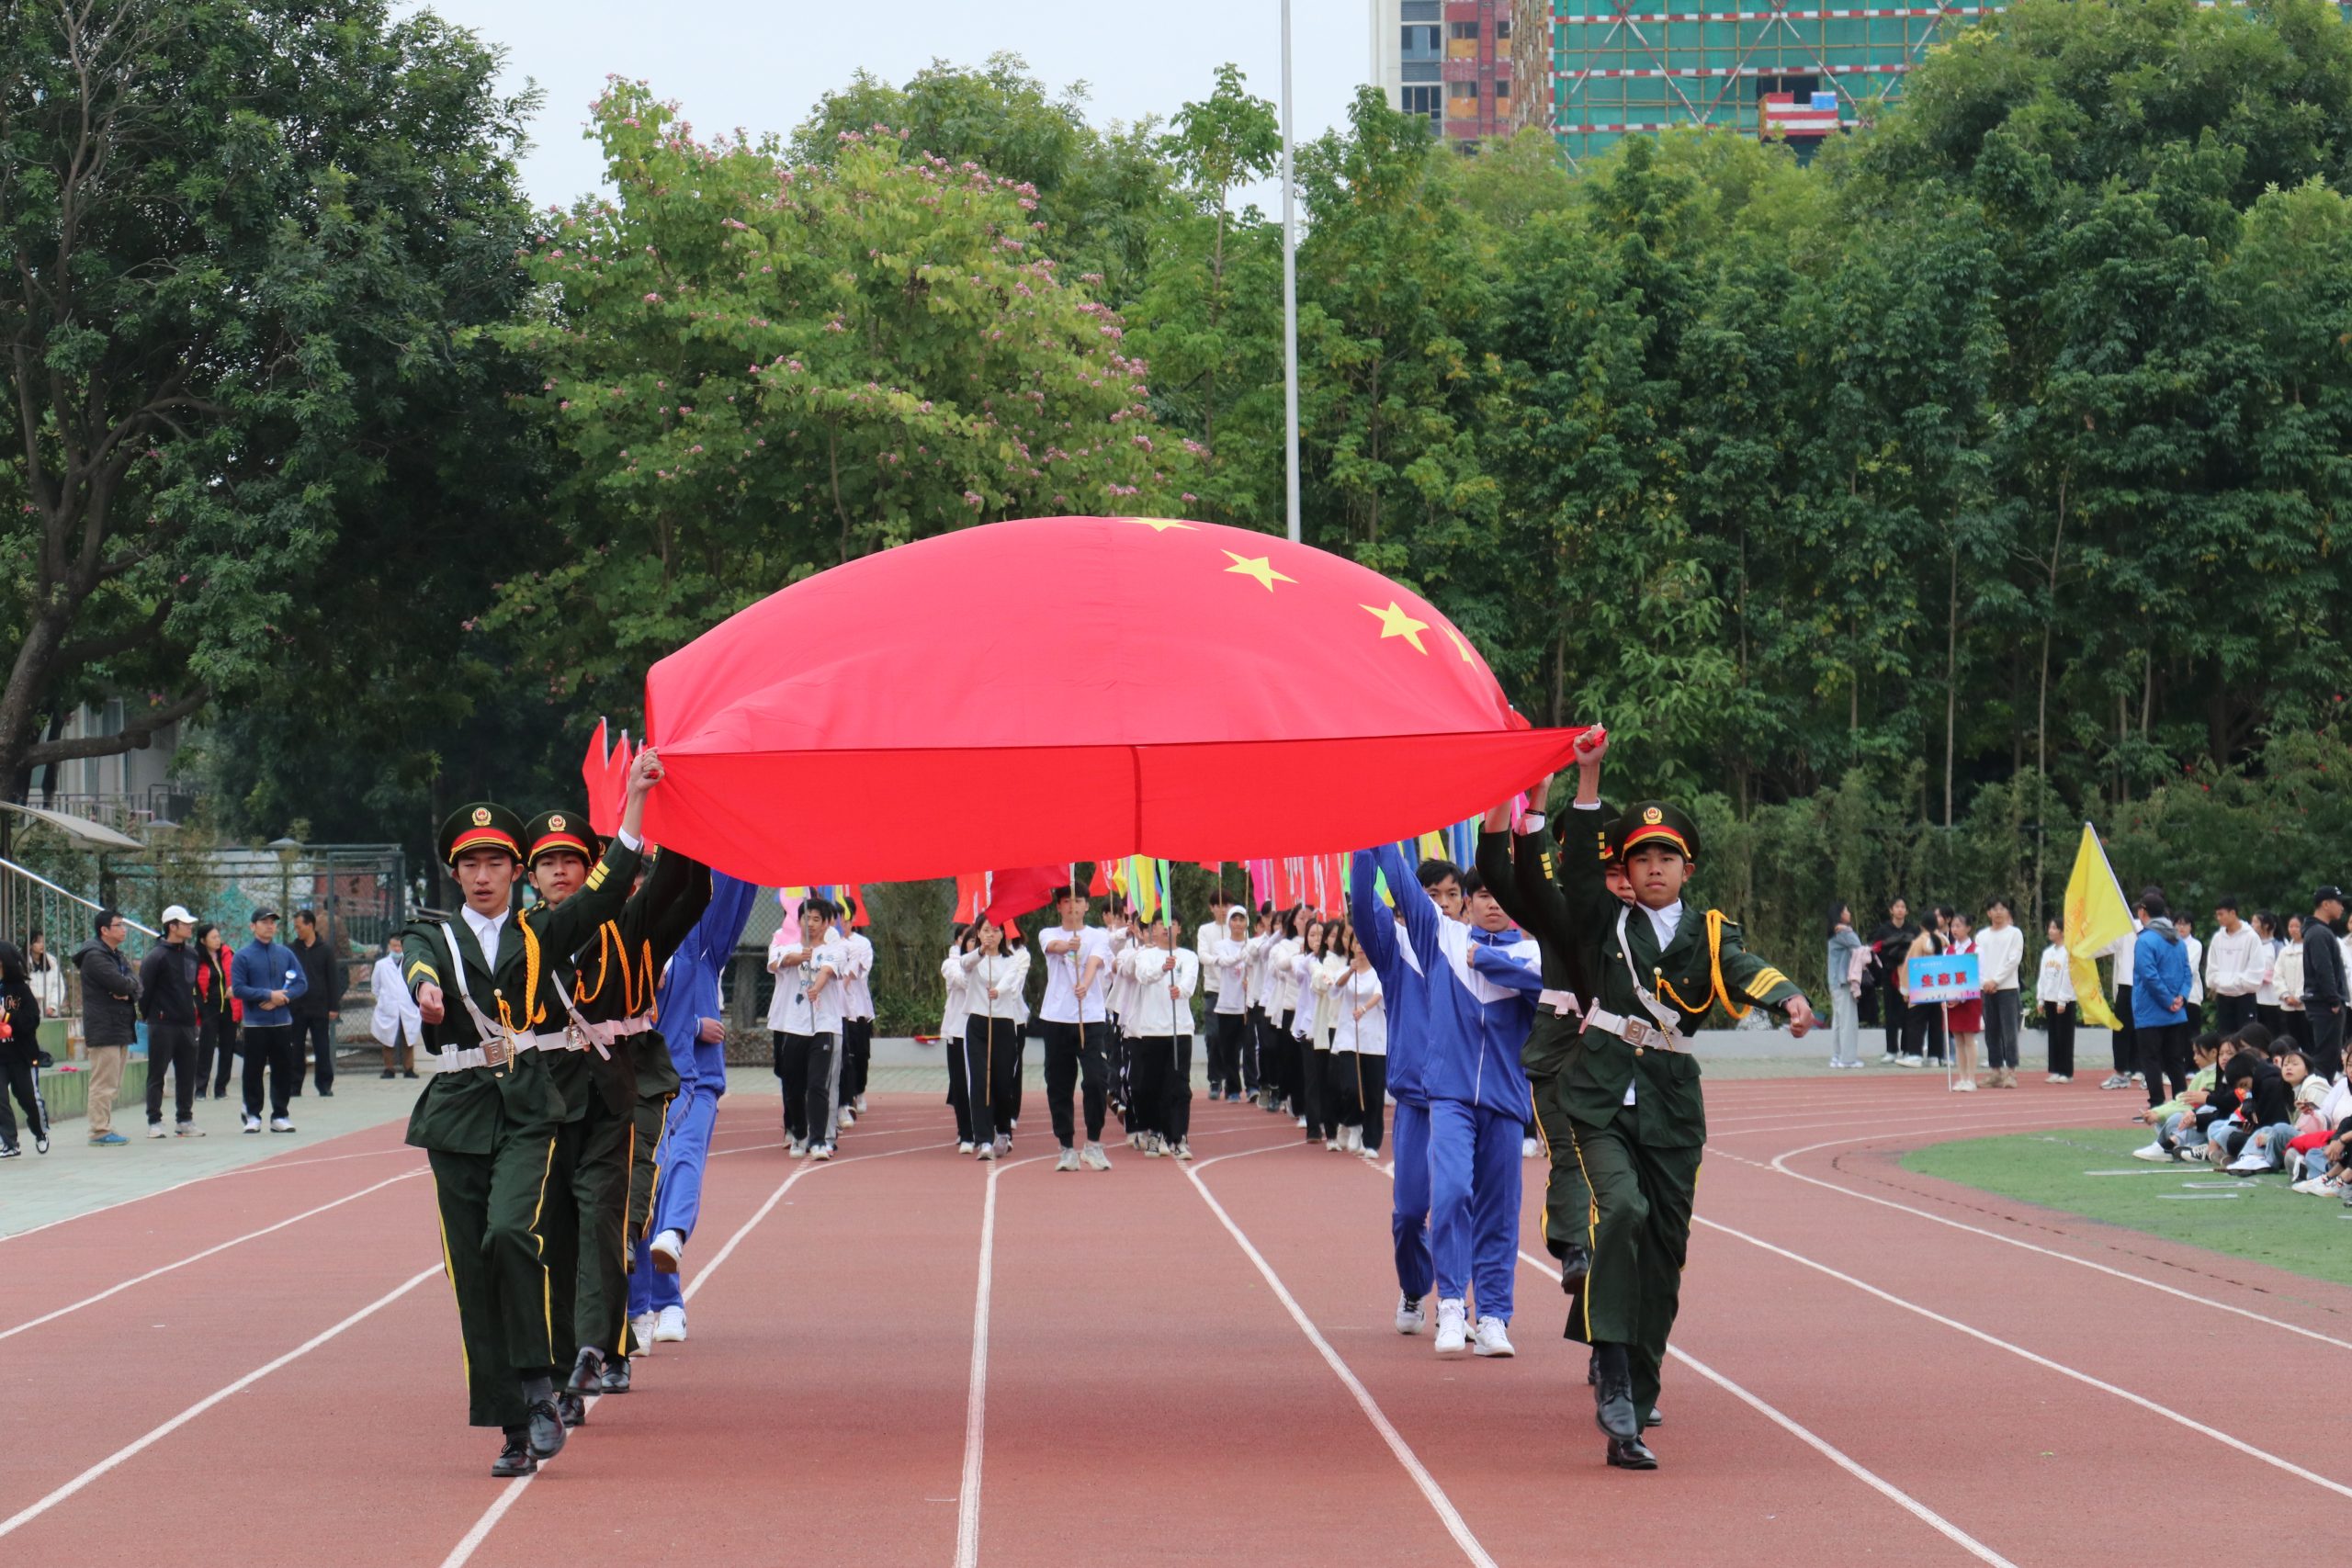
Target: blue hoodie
column 1481, row 989
column 2159, row 975
column 1406, row 994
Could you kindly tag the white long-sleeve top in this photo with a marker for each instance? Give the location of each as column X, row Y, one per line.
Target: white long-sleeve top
column 2287, row 976
column 1231, row 958
column 1259, row 982
column 993, row 987
column 2235, row 961
column 1318, row 1002
column 799, row 1007
column 2266, row 990
column 1999, row 950
column 1282, row 977
column 957, row 1007
column 857, row 988
column 1156, row 1012
column 2055, row 981
column 1204, row 942
column 2195, row 970
column 2124, row 949
column 397, row 1019
column 1359, row 991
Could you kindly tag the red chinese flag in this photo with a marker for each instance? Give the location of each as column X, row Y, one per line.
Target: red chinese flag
column 605, row 772
column 952, row 695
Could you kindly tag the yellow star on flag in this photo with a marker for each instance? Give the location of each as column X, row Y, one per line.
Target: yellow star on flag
column 1461, row 645
column 1159, row 524
column 1259, row 567
column 1394, row 622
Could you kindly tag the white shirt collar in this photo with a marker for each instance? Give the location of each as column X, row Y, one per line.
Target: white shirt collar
column 1665, row 923
column 486, row 928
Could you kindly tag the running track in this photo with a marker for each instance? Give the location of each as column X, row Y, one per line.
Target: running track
column 1170, row 1365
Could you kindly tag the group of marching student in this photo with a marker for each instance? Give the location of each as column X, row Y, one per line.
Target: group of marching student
column 1296, row 1022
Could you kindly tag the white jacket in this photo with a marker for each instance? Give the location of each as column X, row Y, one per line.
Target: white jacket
column 1369, row 1034
column 1318, row 1001
column 2235, row 961
column 857, row 988
column 1999, row 950
column 995, row 988
column 1283, row 979
column 959, row 1005
column 1155, row 1015
column 2055, row 983
column 1205, row 940
column 397, row 1020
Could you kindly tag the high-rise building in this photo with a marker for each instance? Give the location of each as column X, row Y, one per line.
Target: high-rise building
column 1448, row 61
column 1623, row 67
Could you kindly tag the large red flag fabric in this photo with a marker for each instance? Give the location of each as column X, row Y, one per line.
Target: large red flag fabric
column 1048, row 690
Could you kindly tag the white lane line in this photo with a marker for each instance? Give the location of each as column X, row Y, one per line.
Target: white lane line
column 975, row 1389
column 513, row 1492
column 2174, row 1290
column 2060, row 1368
column 1448, row 1515
column 1821, row 1446
column 34, row 1510
column 200, row 1257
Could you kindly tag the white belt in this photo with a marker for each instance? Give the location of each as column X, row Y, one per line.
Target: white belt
column 1560, row 1004
column 1634, row 1032
column 448, row 1061
column 620, row 1028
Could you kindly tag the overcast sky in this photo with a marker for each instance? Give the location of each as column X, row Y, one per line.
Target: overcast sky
column 762, row 64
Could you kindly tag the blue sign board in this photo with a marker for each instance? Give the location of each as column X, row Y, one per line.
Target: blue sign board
column 1944, row 977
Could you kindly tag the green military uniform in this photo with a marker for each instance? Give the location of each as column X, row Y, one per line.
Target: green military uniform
column 614, row 976
column 490, row 1115
column 1639, row 1155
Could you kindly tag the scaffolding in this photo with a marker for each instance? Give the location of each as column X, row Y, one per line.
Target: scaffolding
column 1622, row 68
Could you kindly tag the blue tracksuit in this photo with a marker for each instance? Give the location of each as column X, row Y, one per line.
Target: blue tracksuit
column 688, row 994
column 1480, row 1004
column 1405, row 1000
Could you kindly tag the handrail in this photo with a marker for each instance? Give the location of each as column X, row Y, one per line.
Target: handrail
column 6, row 864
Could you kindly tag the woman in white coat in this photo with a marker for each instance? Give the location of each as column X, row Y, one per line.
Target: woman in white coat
column 1361, row 1047
column 955, row 1015
column 995, row 977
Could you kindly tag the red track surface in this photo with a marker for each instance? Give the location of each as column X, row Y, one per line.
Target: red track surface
column 1177, row 1365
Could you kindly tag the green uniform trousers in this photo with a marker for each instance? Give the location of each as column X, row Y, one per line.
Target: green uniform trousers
column 1640, row 1235
column 588, row 1213
column 645, row 1164
column 495, row 1252
column 1568, row 1202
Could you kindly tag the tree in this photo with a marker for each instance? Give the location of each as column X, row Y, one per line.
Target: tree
column 250, row 244
column 757, row 370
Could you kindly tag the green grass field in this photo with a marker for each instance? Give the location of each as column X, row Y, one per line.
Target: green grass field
column 2256, row 1219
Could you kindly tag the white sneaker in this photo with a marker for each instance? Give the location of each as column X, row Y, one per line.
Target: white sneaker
column 1152, row 1147
column 2059, row 1077
column 1963, row 1085
column 1093, row 1159
column 858, row 1105
column 1492, row 1340
column 1410, row 1318
column 2313, row 1186
column 1302, row 1121
column 1352, row 1140
column 823, row 1151
column 1184, row 1149
column 280, row 1124
column 252, row 1123
column 667, row 1249
column 1068, row 1160
column 2248, row 1164
column 155, row 1130
column 797, row 1148
column 846, row 1117
column 987, row 1152
column 1888, row 1060
column 965, row 1147
column 1331, row 1145
column 1453, row 1327
column 1527, row 1150
column 1906, row 1061
column 2154, row 1154
column 641, row 1329
column 669, row 1327
column 188, row 1130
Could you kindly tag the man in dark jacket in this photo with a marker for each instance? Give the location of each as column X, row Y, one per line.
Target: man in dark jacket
column 167, row 1001
column 2323, row 981
column 319, row 1007
column 109, row 1019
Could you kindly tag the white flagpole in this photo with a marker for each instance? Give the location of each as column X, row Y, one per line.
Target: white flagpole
column 1290, row 301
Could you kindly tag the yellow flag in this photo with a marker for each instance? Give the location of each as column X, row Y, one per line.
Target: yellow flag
column 2096, row 917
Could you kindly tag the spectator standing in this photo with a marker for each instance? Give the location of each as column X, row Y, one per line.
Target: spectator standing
column 1888, row 944
column 397, row 1025
column 2000, row 950
column 109, row 1019
column 319, row 1007
column 1923, row 1023
column 2323, row 982
column 2235, row 961
column 2160, row 1002
column 20, row 1055
column 1846, row 956
column 1965, row 1020
column 2195, row 1011
column 2287, row 973
column 44, row 976
column 266, row 975
column 2124, row 1040
column 2054, row 996
column 2268, row 1003
column 167, row 1001
column 216, row 1013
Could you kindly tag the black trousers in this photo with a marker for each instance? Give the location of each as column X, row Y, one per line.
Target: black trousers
column 21, row 1067
column 2272, row 1017
column 1176, row 1106
column 2233, row 1013
column 992, row 1075
column 810, row 1066
column 270, row 1048
column 2163, row 1059
column 172, row 1045
column 857, row 1054
column 2326, row 1044
column 1152, row 1061
column 1923, row 1031
column 2058, row 1024
column 216, row 1042
column 1077, row 1059
column 1371, row 1096
column 1341, row 1088
column 2124, row 1040
column 959, row 1088
column 1890, row 1013
column 315, row 1035
column 1253, row 1051
column 1226, row 1030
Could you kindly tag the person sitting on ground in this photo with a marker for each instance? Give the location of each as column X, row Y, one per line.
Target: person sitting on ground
column 2268, row 1148
column 2177, row 1118
column 2265, row 1099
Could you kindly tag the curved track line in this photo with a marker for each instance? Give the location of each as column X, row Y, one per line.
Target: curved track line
column 34, row 1510
column 1448, row 1515
column 2060, row 1368
column 2109, row 1269
column 471, row 1541
column 200, row 1257
column 976, row 1393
